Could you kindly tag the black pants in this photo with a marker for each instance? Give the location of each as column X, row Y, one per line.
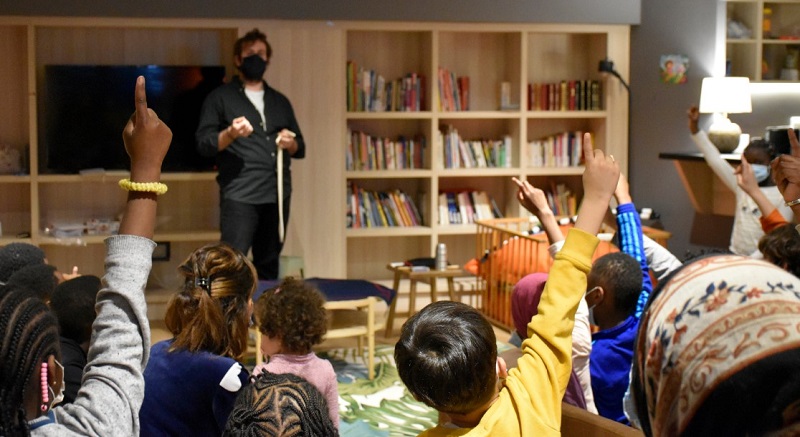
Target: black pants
column 246, row 226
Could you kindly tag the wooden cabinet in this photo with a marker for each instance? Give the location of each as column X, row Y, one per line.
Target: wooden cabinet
column 520, row 55
column 773, row 40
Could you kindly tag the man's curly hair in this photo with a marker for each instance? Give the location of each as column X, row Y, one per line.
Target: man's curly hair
column 294, row 312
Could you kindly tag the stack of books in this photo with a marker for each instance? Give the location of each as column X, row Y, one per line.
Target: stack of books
column 561, row 150
column 460, row 153
column 566, row 95
column 375, row 209
column 365, row 152
column 465, row 207
column 453, row 91
column 371, row 92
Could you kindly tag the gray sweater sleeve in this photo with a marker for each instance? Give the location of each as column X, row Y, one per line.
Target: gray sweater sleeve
column 113, row 385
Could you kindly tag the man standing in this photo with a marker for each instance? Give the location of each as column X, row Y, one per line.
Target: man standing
column 253, row 131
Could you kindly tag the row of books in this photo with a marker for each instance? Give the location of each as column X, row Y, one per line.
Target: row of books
column 375, row 209
column 566, row 95
column 369, row 91
column 460, row 153
column 562, row 201
column 561, row 150
column 453, row 91
column 464, row 207
column 365, row 152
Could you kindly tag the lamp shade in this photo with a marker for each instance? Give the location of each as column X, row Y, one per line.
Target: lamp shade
column 725, row 94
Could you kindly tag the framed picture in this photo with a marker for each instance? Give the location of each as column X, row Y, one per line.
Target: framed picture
column 673, row 68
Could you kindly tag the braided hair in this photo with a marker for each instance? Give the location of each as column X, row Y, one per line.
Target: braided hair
column 29, row 335
column 280, row 405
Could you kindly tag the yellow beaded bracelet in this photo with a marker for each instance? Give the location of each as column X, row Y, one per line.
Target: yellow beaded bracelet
column 148, row 187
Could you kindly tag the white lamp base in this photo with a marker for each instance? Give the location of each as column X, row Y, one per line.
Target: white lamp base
column 725, row 135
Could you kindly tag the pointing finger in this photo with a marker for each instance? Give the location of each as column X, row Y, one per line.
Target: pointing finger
column 140, row 96
column 588, row 148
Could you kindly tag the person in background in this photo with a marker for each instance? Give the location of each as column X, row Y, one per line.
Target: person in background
column 280, row 405
column 41, row 279
column 252, row 130
column 447, row 353
column 112, row 391
column 780, row 244
column 15, row 256
column 746, row 227
column 73, row 304
column 292, row 319
column 192, row 379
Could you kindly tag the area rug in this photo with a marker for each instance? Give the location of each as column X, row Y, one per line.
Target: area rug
column 383, row 406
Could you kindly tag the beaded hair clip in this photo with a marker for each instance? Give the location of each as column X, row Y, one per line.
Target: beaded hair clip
column 45, row 395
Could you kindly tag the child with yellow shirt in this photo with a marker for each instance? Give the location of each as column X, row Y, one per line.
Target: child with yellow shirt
column 447, row 355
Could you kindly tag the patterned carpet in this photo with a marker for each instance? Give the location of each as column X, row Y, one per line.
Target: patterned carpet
column 383, row 406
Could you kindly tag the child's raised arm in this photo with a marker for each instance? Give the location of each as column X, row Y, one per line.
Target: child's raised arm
column 146, row 140
column 534, row 200
column 599, row 182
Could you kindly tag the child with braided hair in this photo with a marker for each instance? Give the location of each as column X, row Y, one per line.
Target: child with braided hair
column 31, row 378
column 280, row 405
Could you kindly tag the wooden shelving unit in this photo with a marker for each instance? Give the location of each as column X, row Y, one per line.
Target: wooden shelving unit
column 762, row 56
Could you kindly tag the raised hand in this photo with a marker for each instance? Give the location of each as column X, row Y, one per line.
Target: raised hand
column 745, row 177
column 623, row 191
column 532, row 198
column 694, row 114
column 786, row 170
column 146, row 138
column 600, row 179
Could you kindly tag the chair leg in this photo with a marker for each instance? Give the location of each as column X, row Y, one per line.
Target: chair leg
column 371, row 338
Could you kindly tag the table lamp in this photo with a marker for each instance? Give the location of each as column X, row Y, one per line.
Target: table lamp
column 721, row 96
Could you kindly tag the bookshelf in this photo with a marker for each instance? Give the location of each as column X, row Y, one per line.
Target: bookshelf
column 310, row 68
column 489, row 56
column 762, row 54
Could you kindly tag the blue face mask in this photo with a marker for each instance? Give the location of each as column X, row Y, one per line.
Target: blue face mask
column 760, row 171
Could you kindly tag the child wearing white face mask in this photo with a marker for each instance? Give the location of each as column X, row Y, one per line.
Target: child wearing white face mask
column 617, row 288
column 746, row 226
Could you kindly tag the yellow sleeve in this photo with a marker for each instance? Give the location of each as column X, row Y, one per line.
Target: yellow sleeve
column 544, row 369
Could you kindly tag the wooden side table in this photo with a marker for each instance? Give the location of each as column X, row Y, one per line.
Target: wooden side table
column 430, row 277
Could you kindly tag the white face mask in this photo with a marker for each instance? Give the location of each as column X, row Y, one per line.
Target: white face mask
column 591, row 308
column 58, row 398
column 760, row 172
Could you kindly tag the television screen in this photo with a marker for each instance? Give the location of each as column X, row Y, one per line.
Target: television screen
column 84, row 108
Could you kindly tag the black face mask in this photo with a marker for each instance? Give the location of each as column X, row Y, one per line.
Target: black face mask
column 253, row 67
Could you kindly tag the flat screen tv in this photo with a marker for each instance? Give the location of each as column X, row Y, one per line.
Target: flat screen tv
column 83, row 109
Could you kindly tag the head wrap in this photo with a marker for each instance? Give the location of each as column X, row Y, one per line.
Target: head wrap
column 718, row 350
column 525, row 301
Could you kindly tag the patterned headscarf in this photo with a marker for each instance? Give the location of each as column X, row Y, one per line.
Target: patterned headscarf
column 718, row 351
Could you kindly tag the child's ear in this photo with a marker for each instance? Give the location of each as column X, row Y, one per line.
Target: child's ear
column 502, row 369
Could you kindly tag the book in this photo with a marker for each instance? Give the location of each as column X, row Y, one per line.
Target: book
column 444, row 218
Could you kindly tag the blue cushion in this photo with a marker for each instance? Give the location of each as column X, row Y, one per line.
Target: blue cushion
column 338, row 289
